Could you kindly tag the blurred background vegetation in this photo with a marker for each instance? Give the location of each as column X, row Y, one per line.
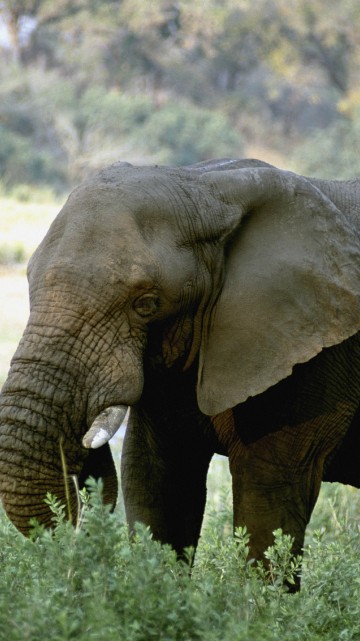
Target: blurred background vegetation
column 87, row 82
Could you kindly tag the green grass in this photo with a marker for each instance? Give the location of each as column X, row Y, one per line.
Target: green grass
column 22, row 226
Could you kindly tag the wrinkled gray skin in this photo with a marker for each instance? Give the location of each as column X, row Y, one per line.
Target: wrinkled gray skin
column 221, row 302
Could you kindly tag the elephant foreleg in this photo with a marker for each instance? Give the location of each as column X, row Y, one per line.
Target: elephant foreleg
column 164, row 482
column 276, row 481
column 265, row 507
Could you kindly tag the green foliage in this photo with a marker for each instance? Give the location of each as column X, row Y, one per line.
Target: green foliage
column 178, row 134
column 112, row 112
column 12, row 254
column 84, row 84
column 29, row 153
column 333, row 153
column 92, row 583
column 96, row 127
column 18, row 163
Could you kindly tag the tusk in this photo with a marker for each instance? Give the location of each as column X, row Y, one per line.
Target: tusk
column 105, row 426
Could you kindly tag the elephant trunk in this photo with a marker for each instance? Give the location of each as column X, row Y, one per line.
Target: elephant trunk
column 34, row 456
column 42, row 421
column 65, row 381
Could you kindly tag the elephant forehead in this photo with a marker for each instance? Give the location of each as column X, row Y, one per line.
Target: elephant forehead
column 134, row 191
column 93, row 255
column 125, row 234
column 96, row 224
column 147, row 208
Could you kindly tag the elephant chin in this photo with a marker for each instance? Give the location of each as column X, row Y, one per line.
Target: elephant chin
column 105, row 426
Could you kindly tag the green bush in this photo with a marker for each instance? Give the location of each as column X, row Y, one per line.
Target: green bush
column 21, row 162
column 52, row 132
column 92, row 583
column 181, row 134
column 12, row 254
column 331, row 153
column 111, row 112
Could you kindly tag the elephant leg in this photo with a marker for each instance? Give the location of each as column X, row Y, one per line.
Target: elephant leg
column 280, row 443
column 267, row 504
column 276, row 481
column 164, row 481
column 266, row 508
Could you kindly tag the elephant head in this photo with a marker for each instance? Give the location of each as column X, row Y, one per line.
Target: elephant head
column 225, row 267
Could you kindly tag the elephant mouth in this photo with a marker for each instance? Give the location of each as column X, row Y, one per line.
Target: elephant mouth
column 105, row 426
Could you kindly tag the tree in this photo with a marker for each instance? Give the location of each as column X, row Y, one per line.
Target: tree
column 269, row 72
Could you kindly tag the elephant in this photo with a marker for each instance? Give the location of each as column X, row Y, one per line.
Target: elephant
column 220, row 302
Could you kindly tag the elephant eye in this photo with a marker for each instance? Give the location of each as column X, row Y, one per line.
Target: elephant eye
column 147, row 305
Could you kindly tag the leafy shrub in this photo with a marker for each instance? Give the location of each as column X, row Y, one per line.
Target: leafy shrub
column 12, row 254
column 20, row 162
column 52, row 132
column 111, row 112
column 92, row 583
column 181, row 134
column 331, row 153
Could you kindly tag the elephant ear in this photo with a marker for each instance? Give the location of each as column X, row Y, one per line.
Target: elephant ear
column 291, row 284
